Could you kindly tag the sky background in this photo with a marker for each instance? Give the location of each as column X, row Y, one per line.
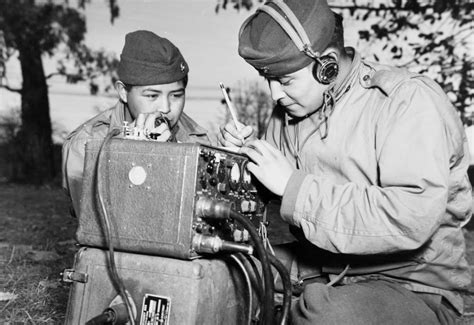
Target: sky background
column 207, row 40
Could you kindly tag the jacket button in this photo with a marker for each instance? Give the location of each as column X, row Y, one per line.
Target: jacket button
column 366, row 77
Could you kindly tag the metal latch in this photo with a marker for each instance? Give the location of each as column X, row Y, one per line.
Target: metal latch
column 70, row 275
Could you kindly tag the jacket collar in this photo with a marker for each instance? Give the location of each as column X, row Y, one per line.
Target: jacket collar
column 347, row 83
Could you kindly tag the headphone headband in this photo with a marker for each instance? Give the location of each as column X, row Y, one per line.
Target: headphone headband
column 291, row 25
column 326, row 68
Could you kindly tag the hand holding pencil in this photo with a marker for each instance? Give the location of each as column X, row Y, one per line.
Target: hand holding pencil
column 234, row 133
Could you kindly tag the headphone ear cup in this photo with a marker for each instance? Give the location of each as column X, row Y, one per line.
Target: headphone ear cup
column 326, row 70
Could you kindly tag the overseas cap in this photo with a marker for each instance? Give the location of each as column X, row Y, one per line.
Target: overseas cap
column 148, row 59
column 265, row 45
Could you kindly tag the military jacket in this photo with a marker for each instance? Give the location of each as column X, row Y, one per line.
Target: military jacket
column 386, row 191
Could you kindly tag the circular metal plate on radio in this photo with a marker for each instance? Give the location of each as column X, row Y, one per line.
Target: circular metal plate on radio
column 137, row 175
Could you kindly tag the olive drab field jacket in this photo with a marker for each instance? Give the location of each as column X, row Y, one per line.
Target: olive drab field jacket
column 386, row 191
column 73, row 151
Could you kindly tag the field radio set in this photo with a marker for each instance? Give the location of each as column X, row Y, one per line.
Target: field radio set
column 152, row 217
column 157, row 195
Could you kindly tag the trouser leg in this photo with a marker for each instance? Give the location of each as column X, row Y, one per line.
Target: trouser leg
column 373, row 301
column 368, row 302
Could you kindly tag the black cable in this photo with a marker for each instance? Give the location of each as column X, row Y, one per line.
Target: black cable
column 287, row 293
column 101, row 319
column 255, row 278
column 249, row 285
column 107, row 227
column 114, row 315
column 268, row 312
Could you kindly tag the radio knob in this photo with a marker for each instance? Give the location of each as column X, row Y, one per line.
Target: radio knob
column 213, row 181
column 205, row 155
column 222, row 187
column 210, row 168
column 203, row 181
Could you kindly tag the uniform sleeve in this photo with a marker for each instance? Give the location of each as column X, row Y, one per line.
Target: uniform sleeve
column 408, row 204
column 73, row 154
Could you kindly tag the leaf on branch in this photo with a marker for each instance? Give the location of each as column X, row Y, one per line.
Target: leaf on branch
column 413, row 5
column 465, row 21
column 429, row 36
column 366, row 16
column 398, row 56
column 440, row 6
column 397, row 3
column 364, row 35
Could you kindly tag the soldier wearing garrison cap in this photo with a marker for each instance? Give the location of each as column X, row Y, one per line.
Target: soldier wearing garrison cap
column 372, row 174
column 153, row 76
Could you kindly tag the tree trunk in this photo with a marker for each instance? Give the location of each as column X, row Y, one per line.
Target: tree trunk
column 35, row 143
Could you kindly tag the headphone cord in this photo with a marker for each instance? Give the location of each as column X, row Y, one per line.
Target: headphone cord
column 324, row 113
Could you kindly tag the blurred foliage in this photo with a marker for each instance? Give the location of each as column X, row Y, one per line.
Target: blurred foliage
column 432, row 37
column 59, row 29
column 253, row 105
column 31, row 30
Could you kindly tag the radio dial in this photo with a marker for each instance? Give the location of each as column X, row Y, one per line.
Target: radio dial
column 234, row 176
column 246, row 178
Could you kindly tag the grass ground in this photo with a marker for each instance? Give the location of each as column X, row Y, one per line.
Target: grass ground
column 36, row 244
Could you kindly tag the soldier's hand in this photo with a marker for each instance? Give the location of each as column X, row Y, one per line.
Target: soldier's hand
column 229, row 136
column 145, row 122
column 267, row 162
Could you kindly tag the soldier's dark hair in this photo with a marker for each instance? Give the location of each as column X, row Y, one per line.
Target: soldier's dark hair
column 337, row 40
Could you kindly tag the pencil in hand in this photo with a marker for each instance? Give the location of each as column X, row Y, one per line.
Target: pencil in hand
column 231, row 107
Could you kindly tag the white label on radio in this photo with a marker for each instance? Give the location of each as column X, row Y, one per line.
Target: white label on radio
column 155, row 310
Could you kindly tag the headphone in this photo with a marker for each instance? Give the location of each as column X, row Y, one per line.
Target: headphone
column 326, row 68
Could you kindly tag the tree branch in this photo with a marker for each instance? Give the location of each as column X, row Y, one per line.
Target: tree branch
column 383, row 8
column 54, row 74
column 7, row 87
column 71, row 77
column 355, row 6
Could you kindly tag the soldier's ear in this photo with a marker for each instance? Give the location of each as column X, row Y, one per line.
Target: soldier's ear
column 121, row 90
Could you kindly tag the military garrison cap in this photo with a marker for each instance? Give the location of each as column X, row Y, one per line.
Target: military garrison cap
column 265, row 45
column 148, row 59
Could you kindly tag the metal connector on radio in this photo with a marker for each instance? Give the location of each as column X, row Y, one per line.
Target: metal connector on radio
column 208, row 208
column 213, row 244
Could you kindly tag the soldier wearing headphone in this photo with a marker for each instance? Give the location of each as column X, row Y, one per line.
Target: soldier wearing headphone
column 370, row 163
